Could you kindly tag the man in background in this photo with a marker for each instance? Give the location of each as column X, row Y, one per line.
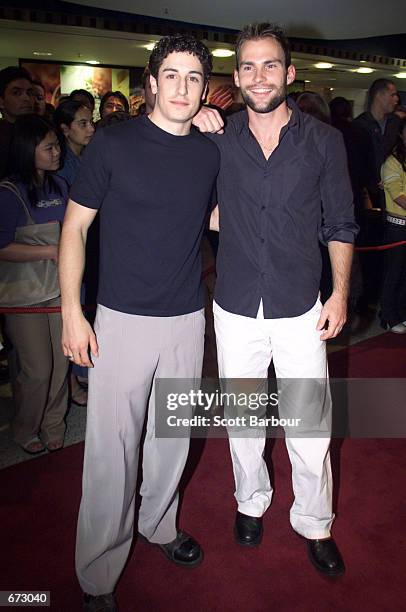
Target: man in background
column 16, row 98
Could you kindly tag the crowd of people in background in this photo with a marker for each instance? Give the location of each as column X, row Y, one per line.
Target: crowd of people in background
column 40, row 153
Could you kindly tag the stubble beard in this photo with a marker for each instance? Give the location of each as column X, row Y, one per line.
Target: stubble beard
column 274, row 102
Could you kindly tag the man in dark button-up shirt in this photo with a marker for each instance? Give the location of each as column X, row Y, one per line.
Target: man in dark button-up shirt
column 271, row 217
column 282, row 187
column 378, row 130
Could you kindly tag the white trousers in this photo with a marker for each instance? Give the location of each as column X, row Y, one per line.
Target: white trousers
column 245, row 348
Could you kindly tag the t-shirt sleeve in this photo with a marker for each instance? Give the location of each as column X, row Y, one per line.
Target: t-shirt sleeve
column 10, row 216
column 92, row 181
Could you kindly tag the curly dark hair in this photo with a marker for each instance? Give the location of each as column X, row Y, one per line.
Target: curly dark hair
column 257, row 31
column 399, row 151
column 180, row 44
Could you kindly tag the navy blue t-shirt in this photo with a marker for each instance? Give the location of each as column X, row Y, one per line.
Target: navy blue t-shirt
column 50, row 206
column 154, row 191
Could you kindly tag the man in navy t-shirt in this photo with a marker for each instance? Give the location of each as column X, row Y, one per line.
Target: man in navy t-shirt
column 152, row 181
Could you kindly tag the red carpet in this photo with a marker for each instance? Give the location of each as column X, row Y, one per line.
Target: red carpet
column 41, row 497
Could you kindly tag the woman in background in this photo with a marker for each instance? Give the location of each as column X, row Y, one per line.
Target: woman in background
column 41, row 385
column 75, row 124
column 393, row 300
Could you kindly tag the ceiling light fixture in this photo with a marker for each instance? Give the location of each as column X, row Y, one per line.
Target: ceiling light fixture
column 222, row 53
column 149, row 46
column 363, row 70
column 323, row 65
column 307, row 81
column 42, row 53
column 92, row 62
column 400, row 75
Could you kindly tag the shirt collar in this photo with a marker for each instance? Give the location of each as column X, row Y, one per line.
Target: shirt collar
column 295, row 121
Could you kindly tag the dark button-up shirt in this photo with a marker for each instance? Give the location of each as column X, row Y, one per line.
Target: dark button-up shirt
column 372, row 148
column 273, row 213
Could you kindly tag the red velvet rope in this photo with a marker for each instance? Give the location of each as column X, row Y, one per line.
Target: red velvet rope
column 381, row 247
column 206, row 273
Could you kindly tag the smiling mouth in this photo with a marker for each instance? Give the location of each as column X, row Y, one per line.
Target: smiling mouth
column 179, row 103
column 260, row 91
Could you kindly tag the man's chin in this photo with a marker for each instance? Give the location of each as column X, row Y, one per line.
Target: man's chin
column 266, row 106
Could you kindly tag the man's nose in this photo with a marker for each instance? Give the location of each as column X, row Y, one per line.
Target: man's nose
column 182, row 89
column 259, row 74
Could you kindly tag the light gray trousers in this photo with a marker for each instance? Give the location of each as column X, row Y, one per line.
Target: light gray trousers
column 133, row 351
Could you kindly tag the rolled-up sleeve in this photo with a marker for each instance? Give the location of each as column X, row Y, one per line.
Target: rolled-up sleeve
column 336, row 193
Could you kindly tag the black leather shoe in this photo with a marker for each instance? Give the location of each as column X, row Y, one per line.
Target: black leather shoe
column 183, row 550
column 325, row 557
column 248, row 530
column 99, row 603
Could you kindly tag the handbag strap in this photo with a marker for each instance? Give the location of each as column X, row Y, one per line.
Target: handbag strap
column 14, row 189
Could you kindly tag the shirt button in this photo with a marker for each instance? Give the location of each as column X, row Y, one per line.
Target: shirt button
column 263, row 207
column 262, row 240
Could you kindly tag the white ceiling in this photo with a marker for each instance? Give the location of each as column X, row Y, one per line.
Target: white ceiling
column 328, row 19
column 19, row 39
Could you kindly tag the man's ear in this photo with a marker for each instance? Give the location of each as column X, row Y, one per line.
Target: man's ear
column 291, row 74
column 236, row 78
column 154, row 84
column 64, row 129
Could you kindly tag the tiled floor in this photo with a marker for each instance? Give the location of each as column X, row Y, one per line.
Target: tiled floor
column 10, row 453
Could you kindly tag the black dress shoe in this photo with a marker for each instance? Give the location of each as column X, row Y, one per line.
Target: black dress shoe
column 248, row 530
column 183, row 550
column 99, row 603
column 325, row 557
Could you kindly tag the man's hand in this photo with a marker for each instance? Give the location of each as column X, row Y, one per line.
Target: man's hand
column 208, row 120
column 335, row 313
column 77, row 336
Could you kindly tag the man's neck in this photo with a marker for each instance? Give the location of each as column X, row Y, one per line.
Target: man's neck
column 177, row 129
column 265, row 124
column 377, row 113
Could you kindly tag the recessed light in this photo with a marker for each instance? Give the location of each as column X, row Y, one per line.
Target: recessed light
column 400, row 75
column 222, row 52
column 42, row 53
column 331, row 88
column 149, row 46
column 307, row 81
column 93, row 62
column 363, row 61
column 323, row 65
column 363, row 70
